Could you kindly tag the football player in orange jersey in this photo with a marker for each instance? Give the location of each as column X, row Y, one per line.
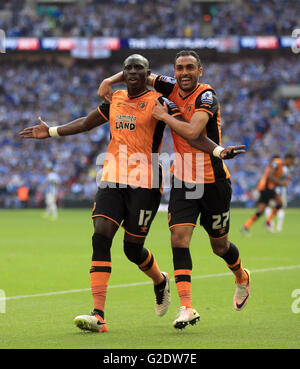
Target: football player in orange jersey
column 273, row 177
column 201, row 111
column 126, row 198
column 133, row 129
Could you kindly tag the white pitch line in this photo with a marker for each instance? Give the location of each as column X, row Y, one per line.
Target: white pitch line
column 264, row 270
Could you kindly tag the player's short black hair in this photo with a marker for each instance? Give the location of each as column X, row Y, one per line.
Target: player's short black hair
column 188, row 53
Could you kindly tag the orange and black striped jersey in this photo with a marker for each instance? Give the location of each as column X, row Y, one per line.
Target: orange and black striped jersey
column 196, row 166
column 135, row 136
column 265, row 183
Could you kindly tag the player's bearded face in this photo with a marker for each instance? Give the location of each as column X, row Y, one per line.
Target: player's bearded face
column 187, row 72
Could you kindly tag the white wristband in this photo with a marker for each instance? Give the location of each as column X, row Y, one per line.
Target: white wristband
column 217, row 151
column 53, row 132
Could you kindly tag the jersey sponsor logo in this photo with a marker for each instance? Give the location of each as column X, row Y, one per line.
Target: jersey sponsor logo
column 125, row 122
column 207, row 98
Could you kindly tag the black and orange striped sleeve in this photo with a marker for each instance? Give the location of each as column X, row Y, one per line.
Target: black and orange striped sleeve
column 164, row 85
column 173, row 109
column 103, row 110
column 207, row 101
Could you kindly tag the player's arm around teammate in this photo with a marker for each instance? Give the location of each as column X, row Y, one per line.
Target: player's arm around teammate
column 192, row 131
column 199, row 104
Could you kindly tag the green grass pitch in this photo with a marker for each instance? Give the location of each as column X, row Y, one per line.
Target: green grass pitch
column 44, row 273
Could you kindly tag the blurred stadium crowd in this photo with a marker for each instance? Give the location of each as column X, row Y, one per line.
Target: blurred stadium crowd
column 251, row 115
column 155, row 18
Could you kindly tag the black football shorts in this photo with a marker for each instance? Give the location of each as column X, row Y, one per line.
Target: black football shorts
column 266, row 195
column 213, row 207
column 133, row 208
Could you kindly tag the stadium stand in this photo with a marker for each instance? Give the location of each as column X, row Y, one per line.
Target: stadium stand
column 250, row 112
column 156, row 18
column 60, row 88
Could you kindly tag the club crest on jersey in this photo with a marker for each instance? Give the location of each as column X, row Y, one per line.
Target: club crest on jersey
column 189, row 108
column 125, row 122
column 142, row 105
column 207, row 98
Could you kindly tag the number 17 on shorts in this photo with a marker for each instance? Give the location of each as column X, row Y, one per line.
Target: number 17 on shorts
column 144, row 218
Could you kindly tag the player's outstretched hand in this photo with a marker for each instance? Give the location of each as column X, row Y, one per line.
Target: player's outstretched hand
column 40, row 131
column 105, row 91
column 232, row 151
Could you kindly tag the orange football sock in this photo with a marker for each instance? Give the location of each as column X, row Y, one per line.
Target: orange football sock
column 184, row 286
column 151, row 269
column 99, row 275
column 237, row 269
column 250, row 221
